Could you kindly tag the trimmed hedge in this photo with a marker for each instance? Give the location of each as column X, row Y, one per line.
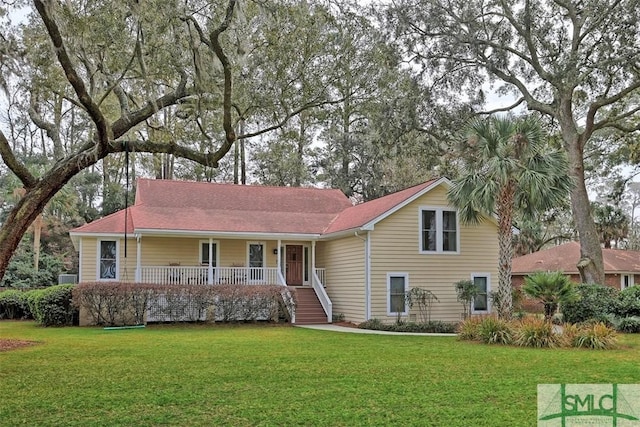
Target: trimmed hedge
column 434, row 326
column 123, row 303
column 52, row 306
column 13, row 305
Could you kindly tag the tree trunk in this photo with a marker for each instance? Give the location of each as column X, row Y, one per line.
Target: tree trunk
column 33, row 202
column 504, row 297
column 37, row 231
column 590, row 265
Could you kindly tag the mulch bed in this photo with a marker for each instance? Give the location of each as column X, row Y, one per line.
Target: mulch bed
column 6, row 345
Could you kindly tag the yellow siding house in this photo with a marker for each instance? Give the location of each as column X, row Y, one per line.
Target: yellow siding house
column 354, row 261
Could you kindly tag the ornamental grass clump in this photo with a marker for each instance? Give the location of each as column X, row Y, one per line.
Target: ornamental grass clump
column 468, row 329
column 493, row 330
column 597, row 336
column 536, row 332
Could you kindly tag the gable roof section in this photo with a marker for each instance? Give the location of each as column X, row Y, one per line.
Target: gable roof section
column 184, row 206
column 565, row 258
column 368, row 213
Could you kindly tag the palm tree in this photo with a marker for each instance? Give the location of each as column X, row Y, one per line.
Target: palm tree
column 611, row 222
column 551, row 288
column 507, row 167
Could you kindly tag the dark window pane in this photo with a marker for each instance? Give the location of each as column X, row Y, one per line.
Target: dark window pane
column 450, row 241
column 480, row 302
column 396, row 294
column 205, row 254
column 449, row 231
column 256, row 257
column 428, row 230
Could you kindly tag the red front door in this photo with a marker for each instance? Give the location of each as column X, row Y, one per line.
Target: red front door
column 294, row 265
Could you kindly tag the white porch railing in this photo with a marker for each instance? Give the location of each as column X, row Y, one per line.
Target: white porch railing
column 320, row 273
column 197, row 275
column 318, row 287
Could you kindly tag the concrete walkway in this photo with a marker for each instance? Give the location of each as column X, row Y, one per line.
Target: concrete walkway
column 336, row 328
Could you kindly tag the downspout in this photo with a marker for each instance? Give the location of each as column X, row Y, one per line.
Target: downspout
column 138, row 258
column 80, row 259
column 367, row 274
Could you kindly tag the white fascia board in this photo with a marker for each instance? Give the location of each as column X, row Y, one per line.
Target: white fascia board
column 343, row 233
column 228, row 234
column 369, row 225
column 75, row 236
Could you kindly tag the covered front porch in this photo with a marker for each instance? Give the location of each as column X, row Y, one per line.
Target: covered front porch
column 230, row 261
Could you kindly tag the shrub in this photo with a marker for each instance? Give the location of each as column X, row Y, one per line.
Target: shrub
column 468, row 329
column 21, row 274
column 492, row 330
column 180, row 303
column 52, row 306
column 423, row 299
column 628, row 325
column 466, row 291
column 432, row 327
column 374, row 324
column 249, row 303
column 551, row 289
column 114, row 303
column 595, row 302
column 13, row 305
column 337, row 317
column 628, row 302
column 597, row 336
column 535, row 332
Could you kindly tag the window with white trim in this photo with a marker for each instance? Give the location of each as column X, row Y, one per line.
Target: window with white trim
column 397, row 287
column 108, row 259
column 204, row 253
column 256, row 261
column 480, row 303
column 439, row 230
column 626, row 281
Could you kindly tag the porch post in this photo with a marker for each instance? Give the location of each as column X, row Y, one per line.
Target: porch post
column 138, row 275
column 278, row 261
column 210, row 270
column 313, row 260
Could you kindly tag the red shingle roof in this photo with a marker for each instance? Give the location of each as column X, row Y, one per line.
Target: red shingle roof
column 110, row 224
column 359, row 215
column 565, row 258
column 196, row 206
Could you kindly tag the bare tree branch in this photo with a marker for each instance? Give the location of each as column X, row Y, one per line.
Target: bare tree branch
column 45, row 9
column 17, row 167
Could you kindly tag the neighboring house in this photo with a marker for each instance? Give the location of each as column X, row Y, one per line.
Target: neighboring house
column 359, row 260
column 621, row 267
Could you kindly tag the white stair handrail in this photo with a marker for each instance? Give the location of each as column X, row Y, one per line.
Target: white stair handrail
column 321, row 293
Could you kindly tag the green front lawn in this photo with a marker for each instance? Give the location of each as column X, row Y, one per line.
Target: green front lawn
column 279, row 375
